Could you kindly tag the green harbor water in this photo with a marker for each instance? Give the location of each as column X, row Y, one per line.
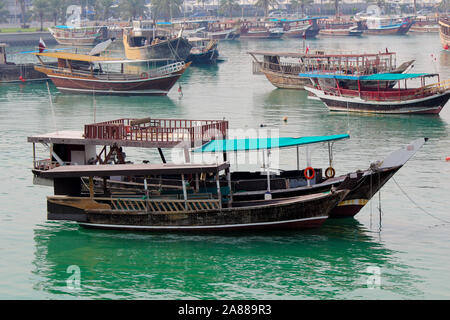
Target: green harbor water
column 407, row 244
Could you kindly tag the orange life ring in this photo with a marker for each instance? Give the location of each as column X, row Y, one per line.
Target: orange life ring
column 330, row 175
column 306, row 171
column 144, row 75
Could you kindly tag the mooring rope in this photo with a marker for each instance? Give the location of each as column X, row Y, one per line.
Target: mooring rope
column 422, row 209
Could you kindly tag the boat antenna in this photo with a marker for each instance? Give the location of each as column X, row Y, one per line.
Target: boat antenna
column 51, row 106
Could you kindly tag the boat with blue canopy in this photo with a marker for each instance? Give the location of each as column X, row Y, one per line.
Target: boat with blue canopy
column 379, row 93
column 271, row 183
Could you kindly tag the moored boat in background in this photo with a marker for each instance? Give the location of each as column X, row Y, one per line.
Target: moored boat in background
column 282, row 68
column 75, row 73
column 425, row 99
column 444, row 32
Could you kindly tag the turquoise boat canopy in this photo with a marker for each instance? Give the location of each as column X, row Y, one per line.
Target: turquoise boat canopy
column 372, row 77
column 250, row 144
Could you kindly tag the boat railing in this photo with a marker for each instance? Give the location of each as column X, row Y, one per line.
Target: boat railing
column 172, row 131
column 161, row 206
column 47, row 164
column 439, row 87
column 386, row 94
column 350, row 67
column 166, row 206
column 167, row 69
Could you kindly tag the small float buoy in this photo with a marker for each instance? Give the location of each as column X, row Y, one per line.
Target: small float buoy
column 446, row 47
column 447, row 159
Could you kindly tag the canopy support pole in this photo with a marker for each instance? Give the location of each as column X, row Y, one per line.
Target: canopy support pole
column 298, row 160
column 230, row 197
column 268, row 196
column 219, row 193
column 184, row 192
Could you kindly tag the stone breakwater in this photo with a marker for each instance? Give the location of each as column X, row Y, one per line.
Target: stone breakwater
column 26, row 38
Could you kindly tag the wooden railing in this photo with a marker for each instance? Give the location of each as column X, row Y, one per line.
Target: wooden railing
column 164, row 205
column 352, row 68
column 157, row 130
column 134, row 205
column 390, row 94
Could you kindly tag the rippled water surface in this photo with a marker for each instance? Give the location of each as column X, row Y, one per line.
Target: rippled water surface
column 409, row 245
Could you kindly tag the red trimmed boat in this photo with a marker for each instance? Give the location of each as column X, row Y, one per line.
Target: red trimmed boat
column 75, row 73
column 336, row 91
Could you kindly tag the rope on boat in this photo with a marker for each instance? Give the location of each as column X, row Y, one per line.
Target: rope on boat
column 413, row 202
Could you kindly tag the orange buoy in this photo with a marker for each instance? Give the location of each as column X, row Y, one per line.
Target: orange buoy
column 447, row 159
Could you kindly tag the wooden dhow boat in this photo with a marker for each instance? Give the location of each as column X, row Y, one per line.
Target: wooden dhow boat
column 304, row 28
column 282, row 69
column 204, row 51
column 261, row 30
column 67, row 148
column 444, row 32
column 77, row 35
column 176, row 207
column 386, row 25
column 196, row 212
column 76, row 73
column 425, row 99
column 143, row 43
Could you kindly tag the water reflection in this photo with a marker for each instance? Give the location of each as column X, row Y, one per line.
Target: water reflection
column 327, row 263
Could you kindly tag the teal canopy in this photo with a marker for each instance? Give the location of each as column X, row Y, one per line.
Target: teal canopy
column 372, row 77
column 250, row 144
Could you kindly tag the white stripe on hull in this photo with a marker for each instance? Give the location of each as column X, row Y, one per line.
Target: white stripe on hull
column 150, row 91
column 224, row 226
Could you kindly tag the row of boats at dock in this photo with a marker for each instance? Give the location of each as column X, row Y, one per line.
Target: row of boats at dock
column 96, row 185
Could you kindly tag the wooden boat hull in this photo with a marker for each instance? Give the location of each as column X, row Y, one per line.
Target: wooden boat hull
column 401, row 29
column 303, row 212
column 75, row 38
column 223, row 35
column 209, row 57
column 177, row 49
column 285, row 81
column 340, row 32
column 150, row 86
column 427, row 105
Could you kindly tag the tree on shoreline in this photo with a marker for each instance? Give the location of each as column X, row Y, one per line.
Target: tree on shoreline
column 132, row 9
column 40, row 9
column 166, row 9
column 229, row 6
column 265, row 5
column 4, row 13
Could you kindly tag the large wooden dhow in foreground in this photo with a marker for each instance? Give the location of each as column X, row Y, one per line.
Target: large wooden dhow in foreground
column 160, row 197
column 102, row 143
column 337, row 96
column 282, row 69
column 78, row 73
column 193, row 212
